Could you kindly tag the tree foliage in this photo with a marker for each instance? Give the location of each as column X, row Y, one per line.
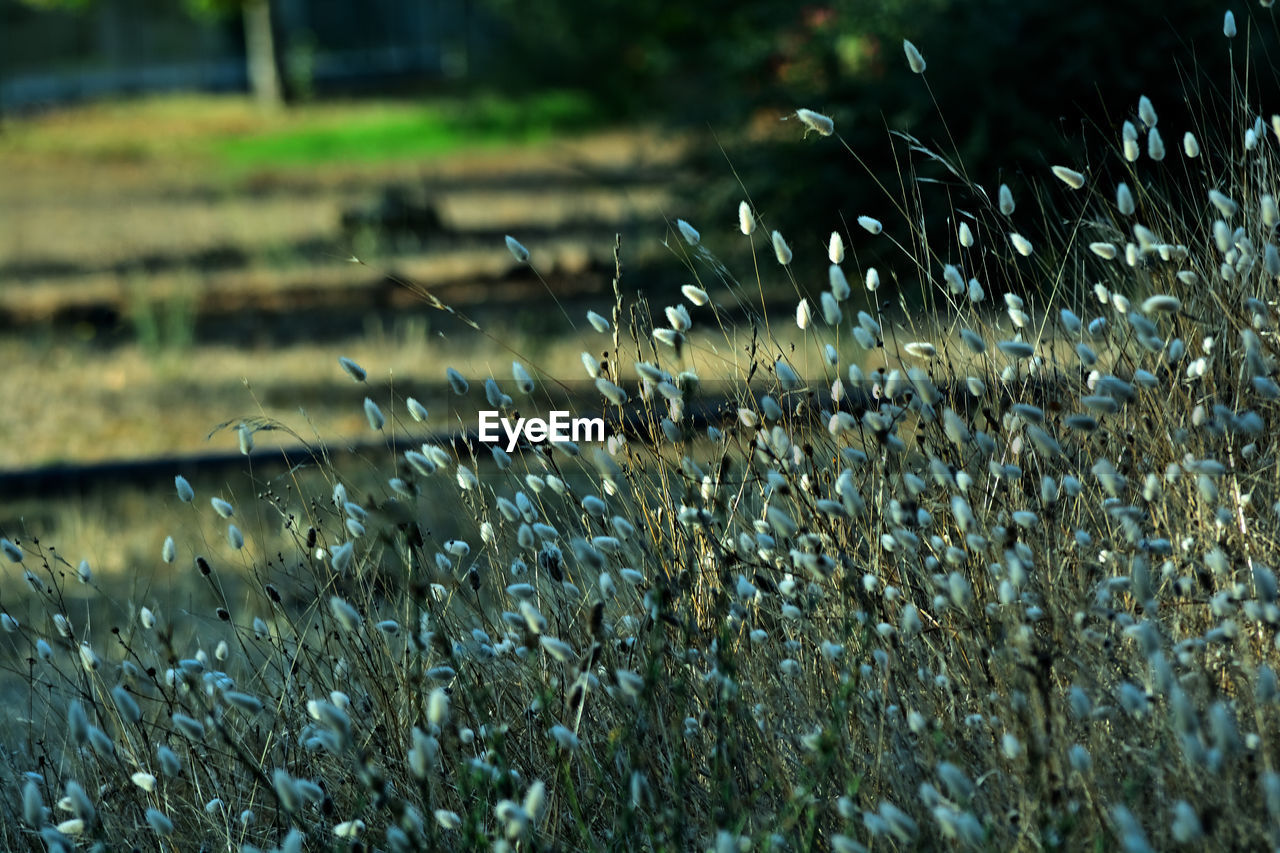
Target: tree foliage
column 1011, row 84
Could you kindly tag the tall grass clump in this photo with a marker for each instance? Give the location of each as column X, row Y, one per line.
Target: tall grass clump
column 988, row 564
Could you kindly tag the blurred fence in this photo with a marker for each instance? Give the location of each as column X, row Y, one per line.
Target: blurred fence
column 114, row 47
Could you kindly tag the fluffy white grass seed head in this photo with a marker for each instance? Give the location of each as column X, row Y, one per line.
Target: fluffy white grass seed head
column 32, row 803
column 1070, row 177
column 349, row 830
column 914, row 58
column 346, row 615
column 1190, row 145
column 611, row 392
column 353, row 370
column 535, row 800
column 457, row 383
column 1147, row 112
column 835, row 248
column 1007, row 205
column 374, row 415
column 870, row 224
column 1224, row 203
column 186, row 494
column 1155, row 145
column 159, row 822
column 518, row 251
column 1021, row 244
column 564, row 737
column 804, row 315
column 688, row 232
column 438, row 707
column 1161, row 304
column 786, row 376
column 1229, row 25
column 780, row 249
column 817, row 122
column 839, row 284
column 831, row 313
column 416, row 410
column 955, row 281
column 746, row 219
column 244, row 435
column 668, row 337
column 696, row 295
column 598, row 322
column 71, row 828
column 973, row 341
column 522, row 378
column 1124, row 199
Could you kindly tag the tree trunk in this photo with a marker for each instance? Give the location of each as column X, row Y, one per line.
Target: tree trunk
column 260, row 54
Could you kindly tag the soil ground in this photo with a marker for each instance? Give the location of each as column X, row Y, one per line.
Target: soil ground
column 150, row 291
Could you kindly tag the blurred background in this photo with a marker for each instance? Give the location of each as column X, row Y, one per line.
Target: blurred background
column 203, row 203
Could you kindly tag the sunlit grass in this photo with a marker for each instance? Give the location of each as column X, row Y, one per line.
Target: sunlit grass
column 230, row 134
column 371, row 133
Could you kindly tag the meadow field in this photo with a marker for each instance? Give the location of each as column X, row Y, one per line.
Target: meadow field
column 972, row 547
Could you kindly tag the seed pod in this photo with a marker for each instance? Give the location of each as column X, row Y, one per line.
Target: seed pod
column 1070, row 177
column 1224, row 203
column 780, row 249
column 598, row 322
column 1146, row 111
column 803, row 314
column 1124, row 199
column 914, row 59
column 695, row 294
column 518, row 251
column 835, row 248
column 822, row 125
column 348, row 617
column 1007, row 205
column 352, row 369
column 1155, row 145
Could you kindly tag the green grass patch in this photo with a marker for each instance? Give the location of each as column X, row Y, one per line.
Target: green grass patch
column 233, row 136
column 402, row 130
